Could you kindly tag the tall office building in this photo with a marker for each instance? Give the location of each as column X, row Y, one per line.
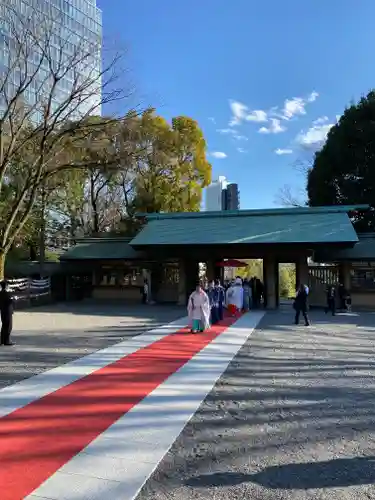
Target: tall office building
column 231, row 197
column 71, row 26
column 222, row 195
column 214, row 195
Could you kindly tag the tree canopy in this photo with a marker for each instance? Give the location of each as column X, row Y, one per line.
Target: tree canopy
column 64, row 170
column 136, row 164
column 343, row 172
column 171, row 166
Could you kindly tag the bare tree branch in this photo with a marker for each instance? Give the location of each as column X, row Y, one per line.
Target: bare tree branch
column 287, row 197
column 52, row 82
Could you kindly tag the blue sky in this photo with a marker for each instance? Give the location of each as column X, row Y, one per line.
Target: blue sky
column 264, row 79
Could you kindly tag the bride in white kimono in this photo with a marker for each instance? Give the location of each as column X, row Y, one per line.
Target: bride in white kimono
column 199, row 310
column 234, row 297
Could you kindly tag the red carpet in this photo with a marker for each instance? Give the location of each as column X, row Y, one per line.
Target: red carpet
column 35, row 441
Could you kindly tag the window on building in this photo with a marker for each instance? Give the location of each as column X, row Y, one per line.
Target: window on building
column 363, row 276
column 117, row 277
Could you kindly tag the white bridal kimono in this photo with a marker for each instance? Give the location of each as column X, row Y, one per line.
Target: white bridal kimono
column 199, row 308
column 235, row 295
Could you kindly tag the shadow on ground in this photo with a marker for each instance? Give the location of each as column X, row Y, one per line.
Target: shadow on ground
column 292, row 407
column 330, row 474
column 104, row 307
column 40, row 349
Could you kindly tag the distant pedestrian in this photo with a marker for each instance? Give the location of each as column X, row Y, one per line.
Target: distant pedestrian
column 349, row 303
column 247, row 295
column 145, row 292
column 210, row 291
column 331, row 300
column 342, row 293
column 300, row 305
column 6, row 313
column 219, row 299
column 255, row 292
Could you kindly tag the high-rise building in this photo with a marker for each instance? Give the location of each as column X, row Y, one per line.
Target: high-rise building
column 222, row 195
column 214, row 195
column 72, row 24
column 231, row 197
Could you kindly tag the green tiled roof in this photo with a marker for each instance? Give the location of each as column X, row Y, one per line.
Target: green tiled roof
column 102, row 249
column 248, row 227
column 267, row 212
column 364, row 250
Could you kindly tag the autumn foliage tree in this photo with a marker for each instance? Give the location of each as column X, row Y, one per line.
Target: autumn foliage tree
column 171, row 168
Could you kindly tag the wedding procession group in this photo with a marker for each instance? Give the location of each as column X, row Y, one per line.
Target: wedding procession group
column 206, row 305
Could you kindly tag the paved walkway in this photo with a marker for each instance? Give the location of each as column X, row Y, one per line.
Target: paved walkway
column 48, row 337
column 292, row 418
column 98, row 426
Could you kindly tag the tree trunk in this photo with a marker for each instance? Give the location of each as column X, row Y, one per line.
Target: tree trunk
column 42, row 234
column 32, row 252
column 94, row 206
column 2, row 263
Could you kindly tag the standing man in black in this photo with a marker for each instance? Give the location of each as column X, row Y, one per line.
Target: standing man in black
column 6, row 313
column 301, row 305
column 331, row 300
column 342, row 297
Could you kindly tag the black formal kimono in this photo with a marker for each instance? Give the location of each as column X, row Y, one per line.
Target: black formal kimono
column 6, row 314
column 301, row 306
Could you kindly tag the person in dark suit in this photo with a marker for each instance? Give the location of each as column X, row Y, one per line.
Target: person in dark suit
column 342, row 297
column 6, row 313
column 331, row 300
column 219, row 300
column 300, row 305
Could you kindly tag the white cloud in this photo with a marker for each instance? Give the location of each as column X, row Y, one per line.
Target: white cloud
column 232, row 132
column 291, row 108
column 315, row 136
column 239, row 137
column 242, row 150
column 296, row 106
column 313, row 96
column 229, row 131
column 241, row 112
column 258, row 115
column 321, row 120
column 283, row 151
column 275, row 127
column 212, row 119
column 219, row 155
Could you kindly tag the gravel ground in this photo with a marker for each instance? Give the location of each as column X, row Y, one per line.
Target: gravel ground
column 292, row 418
column 54, row 335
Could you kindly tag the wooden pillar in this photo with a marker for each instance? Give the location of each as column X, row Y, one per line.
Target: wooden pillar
column 344, row 273
column 219, row 272
column 67, row 287
column 188, row 277
column 214, row 271
column 156, row 269
column 182, row 285
column 270, row 272
column 302, row 271
column 210, row 270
